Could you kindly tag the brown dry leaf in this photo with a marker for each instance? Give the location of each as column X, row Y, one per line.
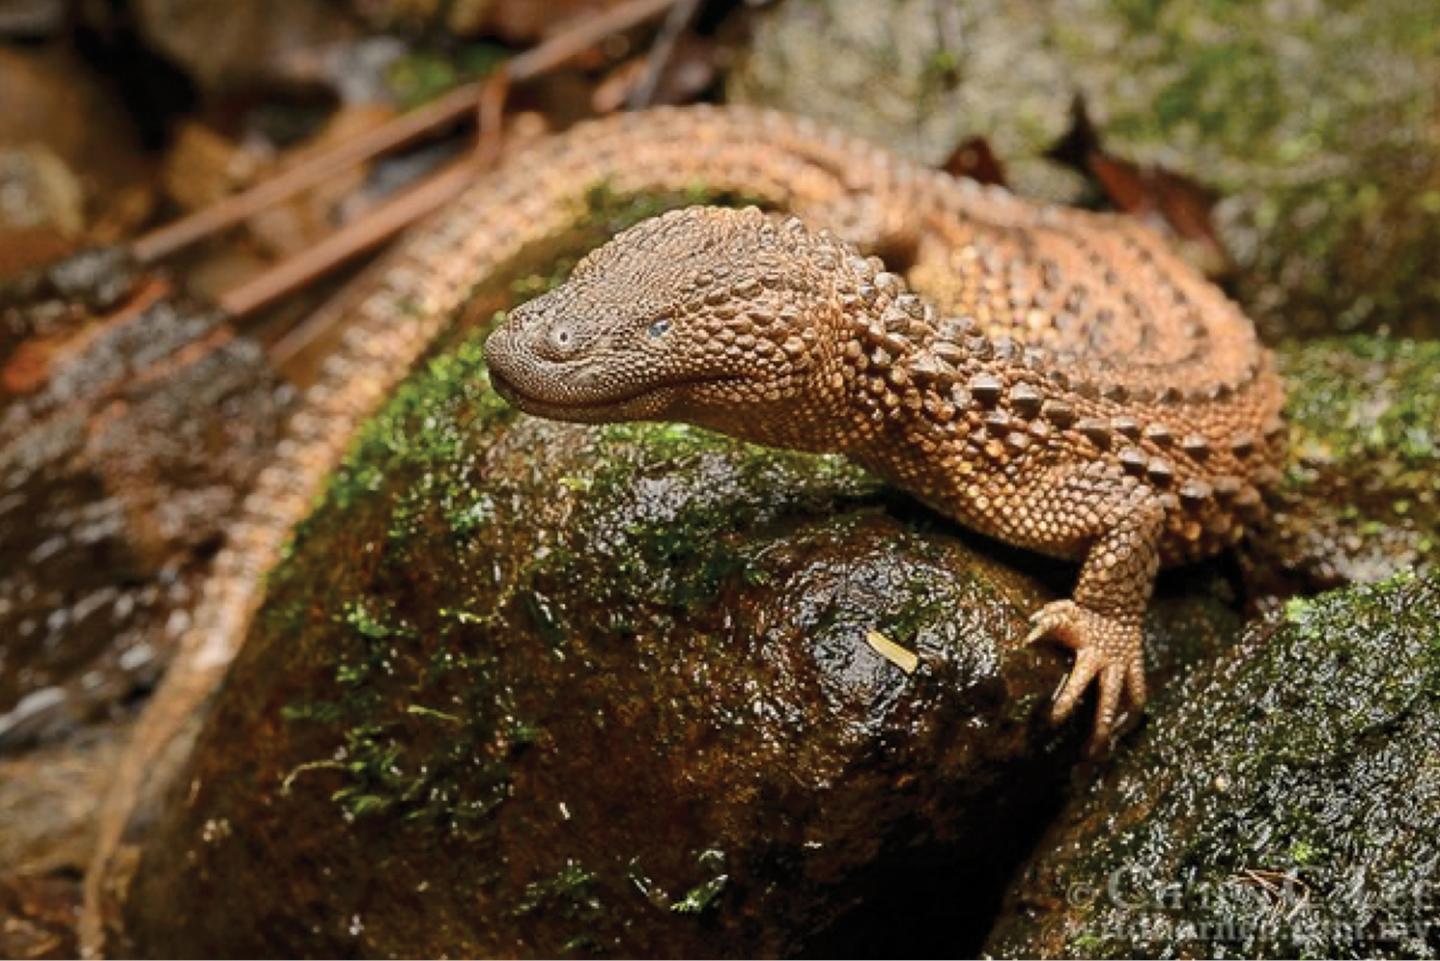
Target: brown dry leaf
column 1180, row 202
column 974, row 159
column 204, row 166
column 1173, row 202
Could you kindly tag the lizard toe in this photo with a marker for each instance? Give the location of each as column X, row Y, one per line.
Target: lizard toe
column 1108, row 652
column 1088, row 664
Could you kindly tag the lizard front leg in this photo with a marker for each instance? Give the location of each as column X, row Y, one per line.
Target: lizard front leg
column 1102, row 622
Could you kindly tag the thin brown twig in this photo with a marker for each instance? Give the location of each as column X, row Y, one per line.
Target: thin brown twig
column 382, row 223
column 490, row 121
column 454, row 105
column 661, row 51
column 232, row 210
column 394, row 215
column 581, row 37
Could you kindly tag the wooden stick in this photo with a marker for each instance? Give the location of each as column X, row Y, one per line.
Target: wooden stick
column 379, row 225
column 396, row 214
column 447, row 109
column 660, row 53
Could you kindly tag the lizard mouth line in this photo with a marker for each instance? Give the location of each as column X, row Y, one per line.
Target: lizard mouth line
column 511, row 391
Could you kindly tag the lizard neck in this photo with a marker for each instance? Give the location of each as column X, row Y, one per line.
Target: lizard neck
column 887, row 354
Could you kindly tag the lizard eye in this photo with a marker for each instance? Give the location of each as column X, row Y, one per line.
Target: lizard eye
column 561, row 337
column 658, row 328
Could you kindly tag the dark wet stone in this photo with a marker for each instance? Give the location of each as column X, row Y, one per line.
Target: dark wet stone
column 37, row 916
column 125, row 441
column 527, row 688
column 1360, row 500
column 1284, row 801
column 97, row 278
column 50, row 300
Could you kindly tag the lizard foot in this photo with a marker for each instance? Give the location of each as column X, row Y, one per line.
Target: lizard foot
column 1107, row 650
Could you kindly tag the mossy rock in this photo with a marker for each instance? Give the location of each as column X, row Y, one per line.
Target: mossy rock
column 920, row 77
column 524, row 688
column 1284, row 802
column 1360, row 500
column 1315, row 123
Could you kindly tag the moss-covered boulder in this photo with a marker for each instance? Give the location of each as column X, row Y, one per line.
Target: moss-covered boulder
column 1314, row 122
column 1360, row 500
column 1283, row 802
column 920, row 76
column 529, row 688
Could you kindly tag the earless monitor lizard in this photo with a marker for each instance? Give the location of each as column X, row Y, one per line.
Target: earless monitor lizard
column 1065, row 383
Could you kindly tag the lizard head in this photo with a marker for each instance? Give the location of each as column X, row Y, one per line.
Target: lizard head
column 715, row 316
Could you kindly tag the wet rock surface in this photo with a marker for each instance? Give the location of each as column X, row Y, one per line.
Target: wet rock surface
column 1314, row 122
column 63, row 296
column 130, row 424
column 125, row 440
column 537, row 689
column 1284, row 801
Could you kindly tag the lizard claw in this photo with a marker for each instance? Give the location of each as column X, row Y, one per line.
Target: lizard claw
column 1107, row 650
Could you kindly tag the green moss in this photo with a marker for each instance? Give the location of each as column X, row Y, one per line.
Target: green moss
column 1304, row 853
column 1358, row 398
column 570, row 892
column 424, row 733
column 1317, row 122
column 678, row 559
column 1364, row 420
column 425, row 424
column 423, row 75
column 699, row 898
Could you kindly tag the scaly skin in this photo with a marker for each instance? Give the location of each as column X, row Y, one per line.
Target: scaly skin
column 1078, row 392
column 861, row 192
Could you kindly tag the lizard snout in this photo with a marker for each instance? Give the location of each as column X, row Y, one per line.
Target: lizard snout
column 506, row 355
